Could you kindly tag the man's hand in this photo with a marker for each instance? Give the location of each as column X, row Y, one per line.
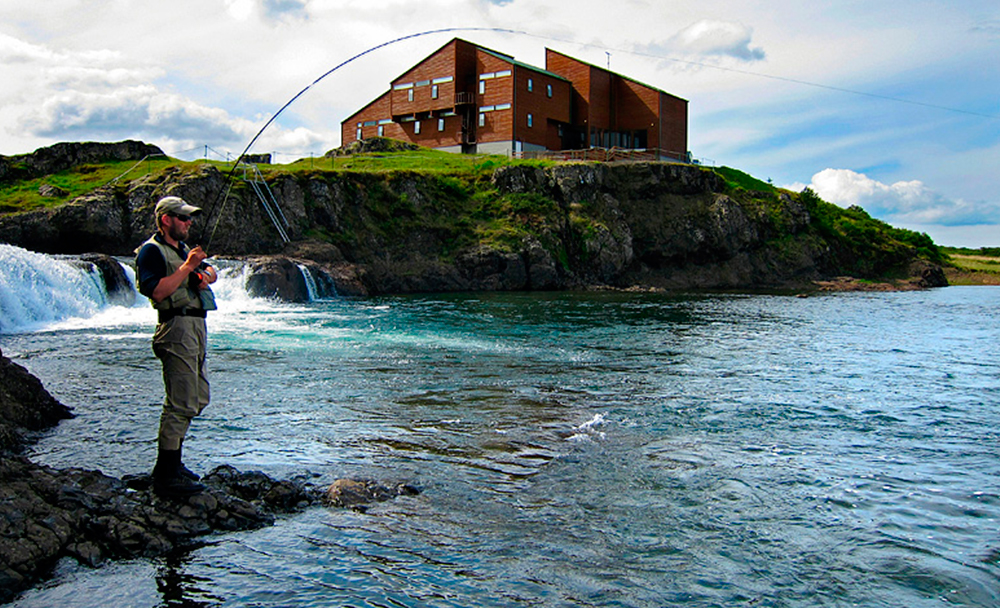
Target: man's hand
column 195, row 257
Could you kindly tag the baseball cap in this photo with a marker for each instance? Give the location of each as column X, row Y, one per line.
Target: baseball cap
column 175, row 205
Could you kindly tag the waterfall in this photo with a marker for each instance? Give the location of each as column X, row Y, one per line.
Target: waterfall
column 320, row 288
column 37, row 289
column 307, row 276
column 40, row 292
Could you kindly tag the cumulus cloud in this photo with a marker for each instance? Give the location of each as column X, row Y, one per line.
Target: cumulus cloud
column 717, row 38
column 904, row 202
column 97, row 95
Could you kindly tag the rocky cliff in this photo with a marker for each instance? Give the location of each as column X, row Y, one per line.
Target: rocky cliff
column 518, row 227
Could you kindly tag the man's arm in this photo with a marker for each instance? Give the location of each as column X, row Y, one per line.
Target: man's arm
column 171, row 282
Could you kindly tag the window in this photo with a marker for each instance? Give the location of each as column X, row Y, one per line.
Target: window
column 531, row 85
column 381, row 131
column 409, row 95
column 548, row 90
column 357, row 135
column 434, row 91
column 440, row 124
column 531, row 120
column 482, row 87
column 416, row 128
column 482, row 120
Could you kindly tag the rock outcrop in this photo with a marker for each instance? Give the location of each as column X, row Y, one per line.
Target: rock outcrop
column 48, row 514
column 25, row 406
column 573, row 225
column 63, row 156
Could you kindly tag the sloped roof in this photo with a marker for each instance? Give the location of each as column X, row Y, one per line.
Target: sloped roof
column 520, row 64
column 622, row 76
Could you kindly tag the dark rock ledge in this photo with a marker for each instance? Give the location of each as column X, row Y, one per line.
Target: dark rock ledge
column 49, row 514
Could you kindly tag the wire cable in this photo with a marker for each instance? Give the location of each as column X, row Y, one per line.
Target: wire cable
column 317, row 81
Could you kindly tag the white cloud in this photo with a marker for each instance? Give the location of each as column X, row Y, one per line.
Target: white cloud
column 717, row 38
column 903, row 202
column 191, row 68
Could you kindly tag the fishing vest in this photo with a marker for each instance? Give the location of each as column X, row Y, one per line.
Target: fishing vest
column 187, row 295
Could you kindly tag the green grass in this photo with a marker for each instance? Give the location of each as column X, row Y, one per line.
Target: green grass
column 986, row 259
column 866, row 246
column 422, row 161
column 22, row 195
column 737, row 179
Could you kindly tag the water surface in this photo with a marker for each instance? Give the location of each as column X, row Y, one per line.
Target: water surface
column 572, row 449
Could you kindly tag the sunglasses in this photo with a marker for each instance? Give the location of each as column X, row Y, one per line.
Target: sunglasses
column 181, row 217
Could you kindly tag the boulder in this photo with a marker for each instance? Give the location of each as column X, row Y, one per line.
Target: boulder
column 48, row 190
column 357, row 494
column 25, row 405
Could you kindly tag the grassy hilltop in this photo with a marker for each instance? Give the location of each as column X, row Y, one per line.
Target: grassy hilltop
column 470, row 210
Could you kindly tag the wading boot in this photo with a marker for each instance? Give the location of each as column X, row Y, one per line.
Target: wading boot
column 182, row 470
column 167, row 479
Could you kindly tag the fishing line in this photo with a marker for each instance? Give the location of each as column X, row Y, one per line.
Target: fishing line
column 232, row 171
column 763, row 75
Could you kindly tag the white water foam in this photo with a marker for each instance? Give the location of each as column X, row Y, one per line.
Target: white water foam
column 588, row 431
column 37, row 290
column 40, row 292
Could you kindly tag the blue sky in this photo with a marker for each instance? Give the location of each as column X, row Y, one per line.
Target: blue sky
column 891, row 106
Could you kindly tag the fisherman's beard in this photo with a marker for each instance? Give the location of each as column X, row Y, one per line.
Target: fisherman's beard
column 178, row 232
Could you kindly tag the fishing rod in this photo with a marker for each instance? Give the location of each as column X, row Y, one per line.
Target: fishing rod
column 226, row 186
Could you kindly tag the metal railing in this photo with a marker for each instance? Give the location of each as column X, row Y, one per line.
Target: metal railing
column 253, row 176
column 609, row 155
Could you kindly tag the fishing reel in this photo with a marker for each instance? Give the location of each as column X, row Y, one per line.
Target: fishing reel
column 195, row 279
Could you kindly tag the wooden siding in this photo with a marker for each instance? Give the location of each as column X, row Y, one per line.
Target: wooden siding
column 585, row 99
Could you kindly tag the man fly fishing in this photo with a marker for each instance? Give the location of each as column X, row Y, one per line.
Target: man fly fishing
column 177, row 281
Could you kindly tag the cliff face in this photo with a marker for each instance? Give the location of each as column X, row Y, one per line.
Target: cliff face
column 519, row 228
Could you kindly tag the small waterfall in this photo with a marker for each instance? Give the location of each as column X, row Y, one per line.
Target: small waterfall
column 37, row 289
column 320, row 288
column 307, row 276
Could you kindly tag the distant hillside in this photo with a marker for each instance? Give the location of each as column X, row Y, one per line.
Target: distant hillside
column 401, row 220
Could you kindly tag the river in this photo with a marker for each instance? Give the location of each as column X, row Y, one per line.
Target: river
column 572, row 449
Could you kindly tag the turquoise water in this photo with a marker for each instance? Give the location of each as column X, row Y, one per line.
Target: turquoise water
column 572, row 449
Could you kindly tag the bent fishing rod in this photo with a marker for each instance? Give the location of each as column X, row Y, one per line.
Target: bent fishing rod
column 227, row 185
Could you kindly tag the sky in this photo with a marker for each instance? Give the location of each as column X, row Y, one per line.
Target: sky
column 892, row 106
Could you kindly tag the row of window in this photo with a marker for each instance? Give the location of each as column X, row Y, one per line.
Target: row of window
column 410, row 86
column 423, row 83
column 432, row 83
column 531, row 87
column 440, row 121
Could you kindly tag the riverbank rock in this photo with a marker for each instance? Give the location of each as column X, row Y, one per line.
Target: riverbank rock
column 357, row 494
column 48, row 514
column 25, row 406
